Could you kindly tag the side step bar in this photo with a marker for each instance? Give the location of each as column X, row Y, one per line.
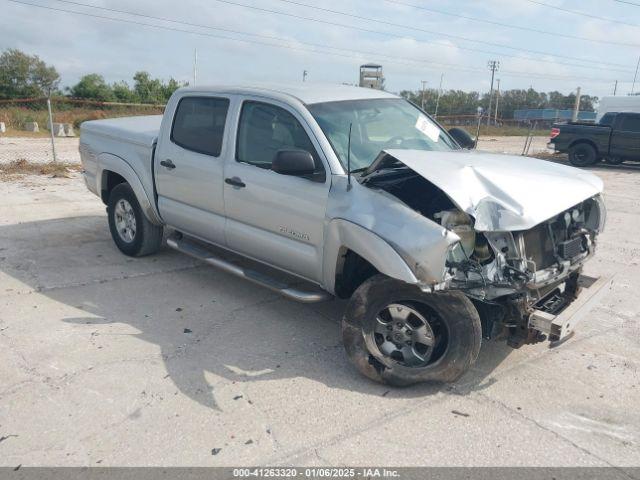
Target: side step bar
column 196, row 251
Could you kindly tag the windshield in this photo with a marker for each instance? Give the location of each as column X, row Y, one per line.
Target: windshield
column 389, row 123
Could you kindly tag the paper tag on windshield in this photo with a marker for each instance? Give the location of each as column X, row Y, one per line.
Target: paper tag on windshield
column 428, row 128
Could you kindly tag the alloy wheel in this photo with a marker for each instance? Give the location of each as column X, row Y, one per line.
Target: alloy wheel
column 405, row 335
column 125, row 220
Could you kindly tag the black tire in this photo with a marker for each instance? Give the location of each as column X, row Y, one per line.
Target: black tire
column 146, row 237
column 583, row 155
column 614, row 160
column 455, row 317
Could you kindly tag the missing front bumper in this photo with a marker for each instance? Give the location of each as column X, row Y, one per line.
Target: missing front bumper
column 559, row 325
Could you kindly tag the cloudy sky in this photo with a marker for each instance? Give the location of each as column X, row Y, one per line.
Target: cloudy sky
column 544, row 44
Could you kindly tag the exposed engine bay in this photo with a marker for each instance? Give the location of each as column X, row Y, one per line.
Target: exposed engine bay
column 508, row 274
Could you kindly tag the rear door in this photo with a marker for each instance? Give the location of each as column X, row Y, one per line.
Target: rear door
column 274, row 218
column 625, row 140
column 189, row 166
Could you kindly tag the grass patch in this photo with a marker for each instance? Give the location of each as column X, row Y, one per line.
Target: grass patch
column 14, row 133
column 16, row 116
column 50, row 169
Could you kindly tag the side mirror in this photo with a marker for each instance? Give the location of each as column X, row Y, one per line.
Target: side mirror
column 462, row 137
column 293, row 162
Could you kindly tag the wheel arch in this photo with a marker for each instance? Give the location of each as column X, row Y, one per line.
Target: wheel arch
column 345, row 239
column 588, row 142
column 112, row 171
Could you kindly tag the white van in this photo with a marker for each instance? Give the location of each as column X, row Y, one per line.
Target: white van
column 618, row 105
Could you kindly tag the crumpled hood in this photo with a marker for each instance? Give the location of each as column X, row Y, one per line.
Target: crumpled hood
column 502, row 192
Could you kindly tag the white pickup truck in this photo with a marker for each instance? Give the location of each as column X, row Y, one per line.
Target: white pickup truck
column 357, row 193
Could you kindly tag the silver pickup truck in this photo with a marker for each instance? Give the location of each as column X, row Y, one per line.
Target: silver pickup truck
column 357, row 193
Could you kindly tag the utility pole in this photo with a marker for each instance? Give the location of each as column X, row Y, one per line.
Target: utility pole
column 53, row 142
column 439, row 95
column 195, row 67
column 304, row 75
column 615, row 88
column 576, row 108
column 424, row 86
column 635, row 77
column 493, row 66
column 495, row 118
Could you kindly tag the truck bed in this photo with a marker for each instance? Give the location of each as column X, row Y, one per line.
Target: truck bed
column 130, row 139
column 570, row 133
column 139, row 130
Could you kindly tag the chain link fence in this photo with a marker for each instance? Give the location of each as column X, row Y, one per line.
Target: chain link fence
column 29, row 134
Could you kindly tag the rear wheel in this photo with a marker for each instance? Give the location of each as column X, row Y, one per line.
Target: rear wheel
column 396, row 334
column 131, row 231
column 583, row 155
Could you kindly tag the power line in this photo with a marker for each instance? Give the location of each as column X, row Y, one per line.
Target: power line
column 393, row 59
column 628, row 3
column 583, row 14
column 164, row 19
column 346, row 26
column 517, row 27
column 383, row 22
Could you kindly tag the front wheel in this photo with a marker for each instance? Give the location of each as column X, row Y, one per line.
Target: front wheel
column 396, row 334
column 131, row 231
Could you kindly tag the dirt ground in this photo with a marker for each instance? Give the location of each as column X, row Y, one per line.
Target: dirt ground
column 513, row 145
column 107, row 360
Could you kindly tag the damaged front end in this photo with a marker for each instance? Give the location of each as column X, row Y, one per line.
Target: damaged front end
column 522, row 281
column 519, row 249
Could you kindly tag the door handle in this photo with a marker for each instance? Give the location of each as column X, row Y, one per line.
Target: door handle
column 168, row 164
column 235, row 182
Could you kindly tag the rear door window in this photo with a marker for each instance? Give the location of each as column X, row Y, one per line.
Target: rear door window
column 199, row 123
column 631, row 123
column 607, row 119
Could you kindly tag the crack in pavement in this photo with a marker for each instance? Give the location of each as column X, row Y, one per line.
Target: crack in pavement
column 561, row 437
column 290, row 457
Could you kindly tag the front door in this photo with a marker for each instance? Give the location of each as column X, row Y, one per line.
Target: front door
column 189, row 168
column 274, row 218
column 625, row 140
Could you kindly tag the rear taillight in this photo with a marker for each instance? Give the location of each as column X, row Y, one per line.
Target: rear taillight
column 555, row 132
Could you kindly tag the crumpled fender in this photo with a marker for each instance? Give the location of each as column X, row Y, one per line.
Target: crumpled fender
column 395, row 239
column 113, row 163
column 342, row 234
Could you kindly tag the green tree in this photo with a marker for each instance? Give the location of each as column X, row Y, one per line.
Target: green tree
column 147, row 89
column 122, row 93
column 92, row 87
column 458, row 102
column 171, row 87
column 153, row 90
column 23, row 76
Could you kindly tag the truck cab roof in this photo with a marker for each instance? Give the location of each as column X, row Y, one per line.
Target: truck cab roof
column 307, row 93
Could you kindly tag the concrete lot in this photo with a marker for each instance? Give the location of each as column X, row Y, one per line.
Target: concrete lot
column 107, row 360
